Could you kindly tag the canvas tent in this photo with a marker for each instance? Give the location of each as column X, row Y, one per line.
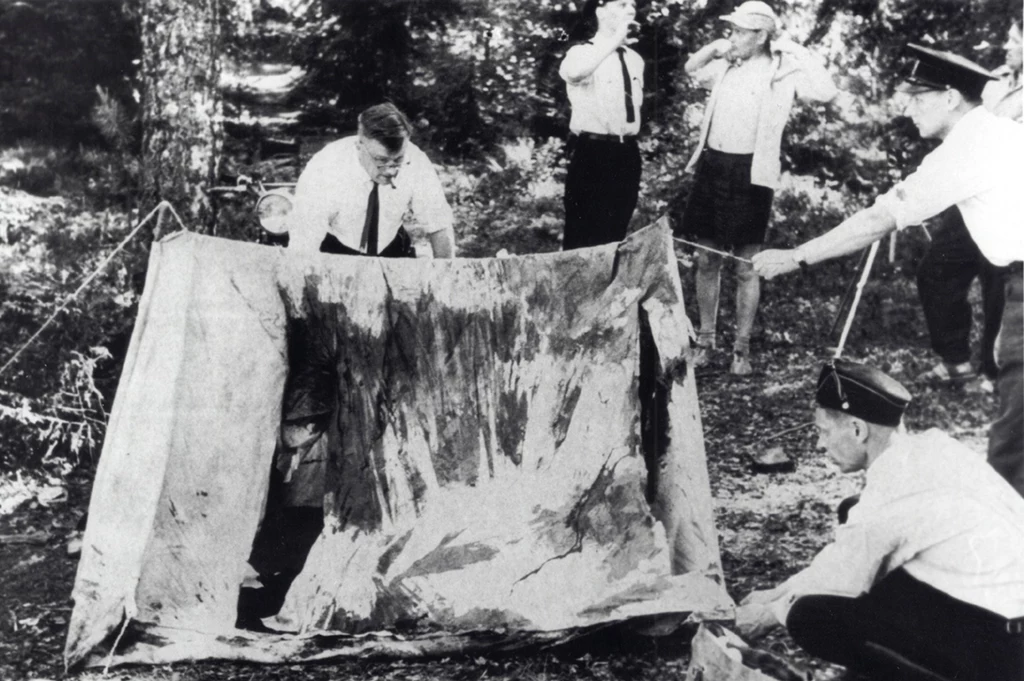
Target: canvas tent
column 513, row 454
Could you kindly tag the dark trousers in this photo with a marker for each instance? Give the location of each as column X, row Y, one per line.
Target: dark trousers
column 601, row 190
column 1006, row 436
column 904, row 629
column 944, row 278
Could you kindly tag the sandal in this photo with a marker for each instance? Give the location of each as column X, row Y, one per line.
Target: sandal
column 947, row 374
column 741, row 364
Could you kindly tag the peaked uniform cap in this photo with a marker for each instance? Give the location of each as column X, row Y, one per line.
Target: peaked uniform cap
column 862, row 391
column 939, row 70
column 753, row 15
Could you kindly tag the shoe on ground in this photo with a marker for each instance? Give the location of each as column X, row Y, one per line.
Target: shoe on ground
column 773, row 460
column 949, row 374
column 741, row 365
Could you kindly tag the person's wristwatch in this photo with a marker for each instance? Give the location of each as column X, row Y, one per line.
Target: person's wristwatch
column 800, row 259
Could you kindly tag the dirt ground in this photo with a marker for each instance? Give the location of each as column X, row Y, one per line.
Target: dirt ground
column 769, row 525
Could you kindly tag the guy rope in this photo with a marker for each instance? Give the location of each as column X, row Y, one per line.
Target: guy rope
column 160, row 210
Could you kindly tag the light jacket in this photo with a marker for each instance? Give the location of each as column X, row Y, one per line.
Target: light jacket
column 786, row 82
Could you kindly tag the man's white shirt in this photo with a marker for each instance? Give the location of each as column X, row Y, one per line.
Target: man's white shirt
column 599, row 101
column 935, row 508
column 978, row 167
column 332, row 192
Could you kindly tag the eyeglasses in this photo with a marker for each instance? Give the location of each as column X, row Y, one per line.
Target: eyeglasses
column 386, row 161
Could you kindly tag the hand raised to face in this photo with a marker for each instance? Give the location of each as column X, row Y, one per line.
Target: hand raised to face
column 722, row 48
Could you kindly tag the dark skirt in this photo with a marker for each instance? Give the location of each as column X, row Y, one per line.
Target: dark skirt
column 723, row 206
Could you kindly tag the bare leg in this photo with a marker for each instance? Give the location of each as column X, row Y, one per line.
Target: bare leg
column 709, row 272
column 748, row 294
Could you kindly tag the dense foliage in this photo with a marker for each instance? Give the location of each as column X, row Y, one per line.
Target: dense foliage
column 54, row 54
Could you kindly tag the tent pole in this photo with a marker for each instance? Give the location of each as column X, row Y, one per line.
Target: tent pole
column 856, row 298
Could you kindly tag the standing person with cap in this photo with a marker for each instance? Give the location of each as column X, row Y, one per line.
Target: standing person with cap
column 754, row 78
column 925, row 580
column 953, row 261
column 604, row 79
column 355, row 195
column 1003, row 97
column 977, row 168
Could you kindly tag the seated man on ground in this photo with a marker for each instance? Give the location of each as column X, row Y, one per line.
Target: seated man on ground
column 925, row 580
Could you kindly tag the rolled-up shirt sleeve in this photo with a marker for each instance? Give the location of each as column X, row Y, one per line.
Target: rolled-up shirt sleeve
column 311, row 212
column 814, row 83
column 946, row 177
column 570, row 63
column 429, row 206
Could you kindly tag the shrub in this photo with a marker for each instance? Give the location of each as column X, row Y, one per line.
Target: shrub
column 53, row 405
column 511, row 200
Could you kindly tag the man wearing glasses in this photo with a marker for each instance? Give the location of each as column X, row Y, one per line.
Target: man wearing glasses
column 353, row 198
column 356, row 195
column 977, row 168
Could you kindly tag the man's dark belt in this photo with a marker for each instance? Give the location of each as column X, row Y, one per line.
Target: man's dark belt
column 618, row 139
column 1015, row 627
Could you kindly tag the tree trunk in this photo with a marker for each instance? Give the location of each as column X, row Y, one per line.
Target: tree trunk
column 181, row 107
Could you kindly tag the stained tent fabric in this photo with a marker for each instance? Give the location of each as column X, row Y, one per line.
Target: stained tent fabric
column 513, row 454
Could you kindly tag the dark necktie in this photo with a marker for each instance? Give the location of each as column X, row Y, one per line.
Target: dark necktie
column 368, row 243
column 627, row 83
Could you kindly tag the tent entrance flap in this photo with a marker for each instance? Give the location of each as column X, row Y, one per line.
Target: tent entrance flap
column 485, row 454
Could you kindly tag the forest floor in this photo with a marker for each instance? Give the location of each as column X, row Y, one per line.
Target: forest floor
column 769, row 525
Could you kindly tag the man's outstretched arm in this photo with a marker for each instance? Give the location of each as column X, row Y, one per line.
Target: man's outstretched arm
column 857, row 231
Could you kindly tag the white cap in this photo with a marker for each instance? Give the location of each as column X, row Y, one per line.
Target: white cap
column 753, row 15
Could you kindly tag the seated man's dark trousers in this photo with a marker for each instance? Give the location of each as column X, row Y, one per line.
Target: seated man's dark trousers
column 906, row 630
column 944, row 279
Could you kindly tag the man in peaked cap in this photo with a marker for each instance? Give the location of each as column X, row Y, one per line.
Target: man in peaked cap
column 925, row 580
column 977, row 168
